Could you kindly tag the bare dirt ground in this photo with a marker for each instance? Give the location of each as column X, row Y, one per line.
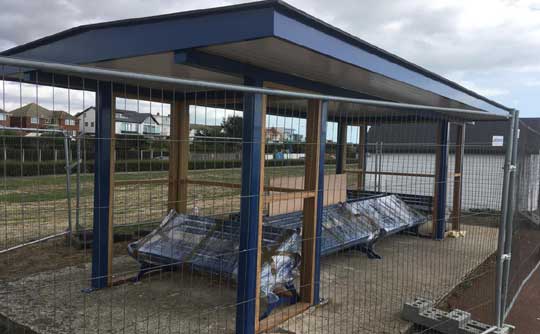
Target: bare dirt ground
column 525, row 314
column 476, row 293
column 43, row 291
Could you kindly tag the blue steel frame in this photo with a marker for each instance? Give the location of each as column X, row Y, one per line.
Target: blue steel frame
column 102, row 186
column 218, row 26
column 320, row 202
column 441, row 179
column 252, row 163
column 195, row 58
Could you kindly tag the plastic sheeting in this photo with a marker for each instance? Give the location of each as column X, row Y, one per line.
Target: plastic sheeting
column 340, row 227
column 389, row 212
column 211, row 246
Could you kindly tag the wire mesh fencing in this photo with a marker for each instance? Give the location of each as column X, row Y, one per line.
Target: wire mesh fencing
column 192, row 209
column 523, row 243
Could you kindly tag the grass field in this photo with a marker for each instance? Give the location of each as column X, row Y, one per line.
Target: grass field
column 36, row 207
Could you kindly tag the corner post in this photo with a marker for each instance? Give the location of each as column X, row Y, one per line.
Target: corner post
column 314, row 177
column 103, row 188
column 251, row 203
column 458, row 177
column 441, row 175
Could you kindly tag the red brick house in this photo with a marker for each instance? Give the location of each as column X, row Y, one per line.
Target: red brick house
column 4, row 118
column 33, row 115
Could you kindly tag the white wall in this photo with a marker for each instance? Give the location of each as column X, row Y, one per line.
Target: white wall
column 87, row 121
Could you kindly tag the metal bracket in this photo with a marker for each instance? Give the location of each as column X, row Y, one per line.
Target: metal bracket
column 506, row 257
column 512, row 168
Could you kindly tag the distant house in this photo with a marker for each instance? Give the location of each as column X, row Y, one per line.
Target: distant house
column 126, row 122
column 87, row 120
column 165, row 124
column 4, row 118
column 280, row 134
column 35, row 116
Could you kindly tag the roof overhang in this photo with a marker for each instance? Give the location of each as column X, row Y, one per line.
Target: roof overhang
column 269, row 39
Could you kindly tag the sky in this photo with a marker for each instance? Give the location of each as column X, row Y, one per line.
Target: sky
column 489, row 46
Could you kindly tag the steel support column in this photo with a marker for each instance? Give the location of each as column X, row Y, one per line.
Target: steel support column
column 103, row 181
column 250, row 210
column 441, row 175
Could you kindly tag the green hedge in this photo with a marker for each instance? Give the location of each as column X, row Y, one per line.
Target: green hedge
column 32, row 168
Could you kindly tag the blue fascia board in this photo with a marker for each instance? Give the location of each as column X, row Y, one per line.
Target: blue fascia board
column 138, row 37
column 299, row 33
column 221, row 64
column 117, row 42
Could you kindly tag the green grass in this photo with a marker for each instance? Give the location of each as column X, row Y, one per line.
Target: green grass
column 52, row 187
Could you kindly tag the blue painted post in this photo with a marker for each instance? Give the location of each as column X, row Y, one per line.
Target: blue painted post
column 250, row 215
column 341, row 152
column 102, row 224
column 441, row 174
column 320, row 200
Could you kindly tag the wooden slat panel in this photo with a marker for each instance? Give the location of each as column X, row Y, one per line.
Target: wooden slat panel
column 278, row 317
column 335, row 191
column 300, row 195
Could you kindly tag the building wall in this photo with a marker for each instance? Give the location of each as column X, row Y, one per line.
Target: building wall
column 87, row 121
column 26, row 122
column 4, row 119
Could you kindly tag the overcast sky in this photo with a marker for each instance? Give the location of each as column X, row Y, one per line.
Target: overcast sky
column 489, row 46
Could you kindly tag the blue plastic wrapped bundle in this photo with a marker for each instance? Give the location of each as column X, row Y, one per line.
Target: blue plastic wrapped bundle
column 389, row 212
column 211, row 246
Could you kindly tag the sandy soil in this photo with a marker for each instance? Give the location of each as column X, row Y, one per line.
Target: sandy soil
column 364, row 296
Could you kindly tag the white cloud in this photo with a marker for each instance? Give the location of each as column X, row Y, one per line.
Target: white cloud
column 495, row 38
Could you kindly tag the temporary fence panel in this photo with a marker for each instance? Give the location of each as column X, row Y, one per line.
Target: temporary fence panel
column 228, row 209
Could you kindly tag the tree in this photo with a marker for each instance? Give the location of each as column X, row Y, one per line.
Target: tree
column 232, row 126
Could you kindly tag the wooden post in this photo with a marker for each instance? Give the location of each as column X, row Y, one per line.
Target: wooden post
column 362, row 148
column 309, row 229
column 441, row 174
column 341, row 152
column 103, row 188
column 179, row 157
column 458, row 177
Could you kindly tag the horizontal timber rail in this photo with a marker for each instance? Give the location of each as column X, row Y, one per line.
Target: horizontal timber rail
column 358, row 171
column 205, row 183
column 104, row 74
